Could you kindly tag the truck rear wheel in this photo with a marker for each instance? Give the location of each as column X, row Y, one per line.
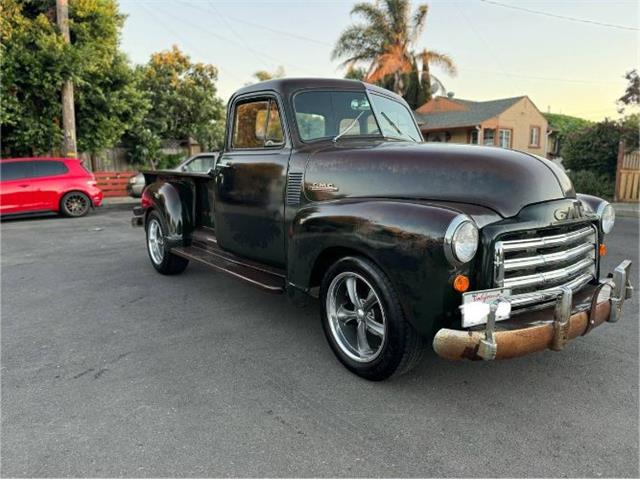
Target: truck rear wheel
column 364, row 322
column 162, row 259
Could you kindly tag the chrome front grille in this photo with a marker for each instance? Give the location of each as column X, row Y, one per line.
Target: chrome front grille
column 545, row 261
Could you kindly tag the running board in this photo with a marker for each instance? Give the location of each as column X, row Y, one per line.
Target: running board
column 262, row 276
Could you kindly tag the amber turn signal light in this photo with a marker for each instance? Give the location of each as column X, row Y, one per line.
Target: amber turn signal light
column 602, row 250
column 461, row 283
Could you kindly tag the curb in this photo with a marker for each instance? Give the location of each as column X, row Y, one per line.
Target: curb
column 119, row 203
column 628, row 210
column 628, row 213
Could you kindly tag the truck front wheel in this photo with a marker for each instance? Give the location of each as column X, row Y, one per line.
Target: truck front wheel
column 162, row 259
column 364, row 322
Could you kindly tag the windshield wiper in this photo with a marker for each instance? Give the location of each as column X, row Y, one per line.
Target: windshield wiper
column 335, row 139
column 400, row 132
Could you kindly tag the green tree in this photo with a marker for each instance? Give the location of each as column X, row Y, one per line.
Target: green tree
column 263, row 75
column 565, row 125
column 183, row 100
column 355, row 73
column 386, row 43
column 595, row 147
column 631, row 95
column 36, row 61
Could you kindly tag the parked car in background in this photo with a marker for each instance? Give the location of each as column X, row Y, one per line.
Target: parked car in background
column 31, row 186
column 201, row 163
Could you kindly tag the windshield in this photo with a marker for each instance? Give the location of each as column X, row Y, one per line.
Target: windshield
column 345, row 114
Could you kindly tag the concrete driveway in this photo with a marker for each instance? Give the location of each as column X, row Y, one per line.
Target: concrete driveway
column 109, row 369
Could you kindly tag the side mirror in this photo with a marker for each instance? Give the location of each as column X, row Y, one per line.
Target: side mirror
column 211, row 172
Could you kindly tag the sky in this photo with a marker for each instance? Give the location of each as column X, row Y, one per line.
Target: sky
column 564, row 66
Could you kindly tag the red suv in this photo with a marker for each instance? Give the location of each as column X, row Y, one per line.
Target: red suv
column 40, row 185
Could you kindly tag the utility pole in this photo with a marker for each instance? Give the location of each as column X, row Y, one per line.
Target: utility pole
column 68, row 109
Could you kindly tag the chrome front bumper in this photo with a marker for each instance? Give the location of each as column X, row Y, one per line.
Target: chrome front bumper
column 527, row 335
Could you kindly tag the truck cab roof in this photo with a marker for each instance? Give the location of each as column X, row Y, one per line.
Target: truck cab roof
column 288, row 86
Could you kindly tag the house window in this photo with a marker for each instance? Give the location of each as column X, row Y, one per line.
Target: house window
column 534, row 137
column 489, row 136
column 473, row 136
column 505, row 138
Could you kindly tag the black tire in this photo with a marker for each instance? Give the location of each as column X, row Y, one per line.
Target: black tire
column 75, row 204
column 166, row 263
column 401, row 348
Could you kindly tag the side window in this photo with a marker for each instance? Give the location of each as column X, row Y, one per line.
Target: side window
column 200, row 164
column 257, row 124
column 15, row 170
column 46, row 169
column 275, row 135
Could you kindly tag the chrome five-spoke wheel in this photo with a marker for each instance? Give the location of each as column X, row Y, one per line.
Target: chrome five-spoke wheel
column 356, row 317
column 155, row 241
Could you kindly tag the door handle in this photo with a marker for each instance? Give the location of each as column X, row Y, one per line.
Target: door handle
column 23, row 186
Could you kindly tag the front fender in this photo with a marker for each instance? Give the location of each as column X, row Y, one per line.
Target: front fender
column 170, row 201
column 404, row 239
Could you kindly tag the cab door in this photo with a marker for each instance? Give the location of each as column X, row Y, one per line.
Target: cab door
column 250, row 179
column 16, row 187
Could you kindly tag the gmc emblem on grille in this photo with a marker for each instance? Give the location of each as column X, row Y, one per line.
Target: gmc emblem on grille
column 570, row 212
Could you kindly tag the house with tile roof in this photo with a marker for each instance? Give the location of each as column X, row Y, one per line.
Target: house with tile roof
column 508, row 122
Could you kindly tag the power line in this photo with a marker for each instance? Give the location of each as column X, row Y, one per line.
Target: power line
column 550, row 79
column 270, row 29
column 281, row 32
column 184, row 41
column 208, row 31
column 562, row 17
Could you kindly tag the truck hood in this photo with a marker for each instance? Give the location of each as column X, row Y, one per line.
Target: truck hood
column 502, row 180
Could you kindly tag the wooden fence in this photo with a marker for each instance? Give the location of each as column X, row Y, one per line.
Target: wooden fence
column 628, row 176
column 113, row 184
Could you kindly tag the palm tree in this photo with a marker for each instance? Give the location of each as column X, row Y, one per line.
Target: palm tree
column 386, row 42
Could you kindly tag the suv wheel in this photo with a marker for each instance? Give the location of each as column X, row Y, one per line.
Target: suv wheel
column 364, row 322
column 162, row 259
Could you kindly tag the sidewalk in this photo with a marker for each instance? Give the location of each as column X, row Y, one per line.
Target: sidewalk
column 627, row 209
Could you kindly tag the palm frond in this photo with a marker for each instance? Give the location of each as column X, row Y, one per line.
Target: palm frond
column 418, row 22
column 374, row 18
column 442, row 60
column 398, row 14
column 360, row 41
column 392, row 61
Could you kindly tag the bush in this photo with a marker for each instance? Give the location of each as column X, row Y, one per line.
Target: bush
column 591, row 183
column 593, row 148
column 166, row 161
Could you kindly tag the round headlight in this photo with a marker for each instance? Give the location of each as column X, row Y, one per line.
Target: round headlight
column 607, row 216
column 461, row 240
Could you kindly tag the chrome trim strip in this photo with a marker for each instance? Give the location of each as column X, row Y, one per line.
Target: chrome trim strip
column 548, row 258
column 523, row 299
column 551, row 241
column 544, row 278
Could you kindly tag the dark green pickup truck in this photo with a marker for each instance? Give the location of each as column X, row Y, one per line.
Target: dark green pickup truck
column 325, row 188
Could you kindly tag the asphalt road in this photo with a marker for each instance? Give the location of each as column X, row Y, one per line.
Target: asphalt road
column 110, row 369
